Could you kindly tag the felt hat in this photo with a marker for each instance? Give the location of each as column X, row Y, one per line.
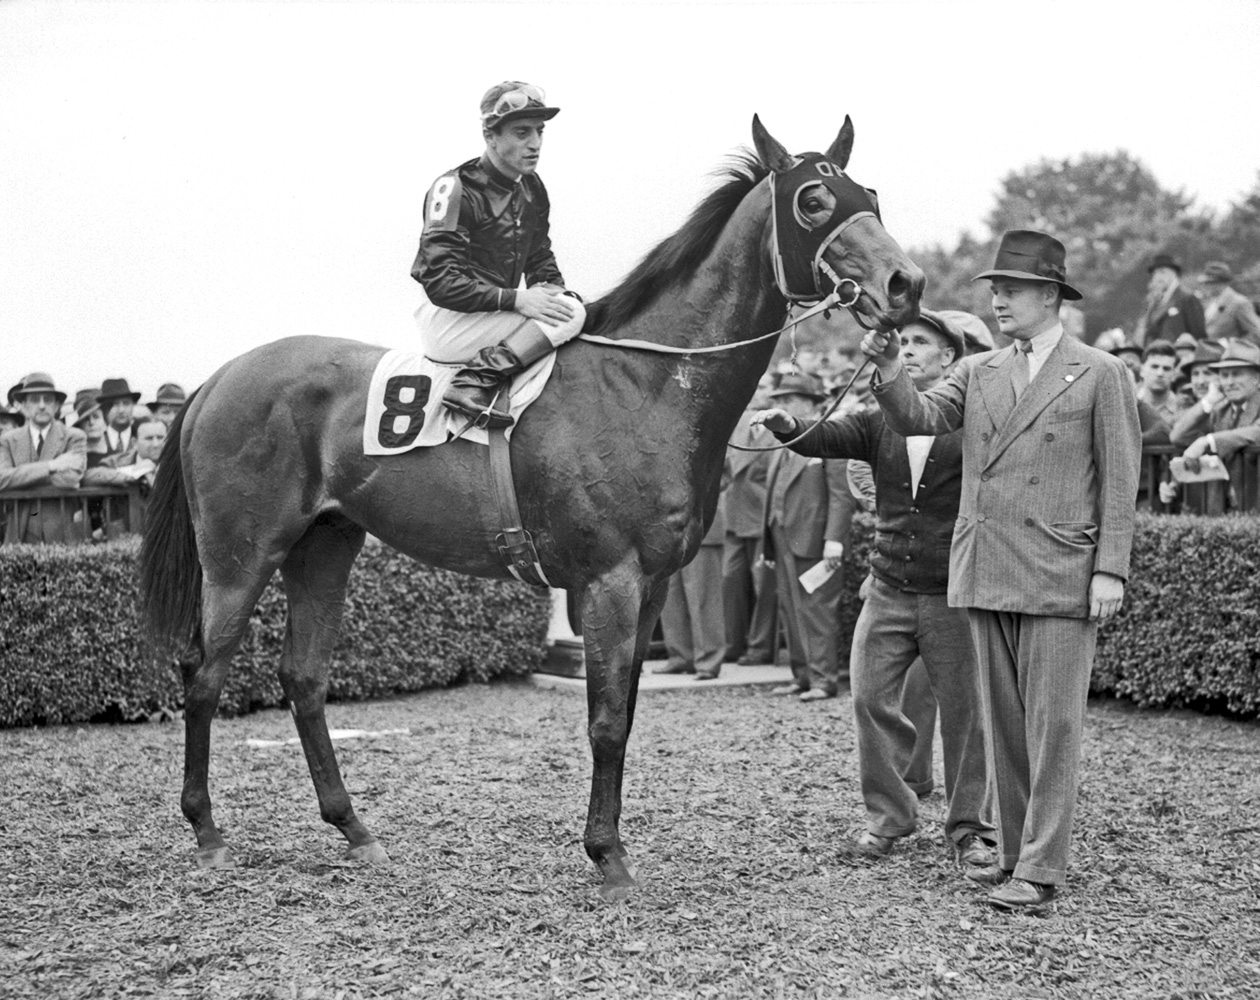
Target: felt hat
column 114, row 389
column 1239, row 354
column 1032, row 256
column 85, row 404
column 1186, row 342
column 1126, row 347
column 36, row 382
column 1163, row 260
column 800, row 384
column 947, row 328
column 1205, row 353
column 169, row 394
column 1216, row 272
column 512, row 99
column 976, row 331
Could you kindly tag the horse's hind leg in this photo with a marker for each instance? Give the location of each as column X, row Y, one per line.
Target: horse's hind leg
column 618, row 614
column 225, row 615
column 315, row 576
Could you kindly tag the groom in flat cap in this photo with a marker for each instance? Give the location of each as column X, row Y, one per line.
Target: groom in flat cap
column 1040, row 553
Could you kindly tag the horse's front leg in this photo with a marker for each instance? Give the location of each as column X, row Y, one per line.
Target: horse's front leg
column 619, row 611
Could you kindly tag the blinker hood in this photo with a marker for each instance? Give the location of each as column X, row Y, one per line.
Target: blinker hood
column 798, row 248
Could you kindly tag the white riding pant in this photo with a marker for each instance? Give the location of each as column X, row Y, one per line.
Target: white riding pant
column 450, row 337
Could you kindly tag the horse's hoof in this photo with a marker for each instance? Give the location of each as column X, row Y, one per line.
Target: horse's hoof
column 215, row 857
column 370, row 854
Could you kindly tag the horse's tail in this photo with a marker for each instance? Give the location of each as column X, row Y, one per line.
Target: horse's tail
column 170, row 571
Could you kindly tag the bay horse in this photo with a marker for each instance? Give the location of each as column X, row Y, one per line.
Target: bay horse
column 616, row 465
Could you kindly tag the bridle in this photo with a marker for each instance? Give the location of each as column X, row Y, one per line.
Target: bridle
column 800, row 267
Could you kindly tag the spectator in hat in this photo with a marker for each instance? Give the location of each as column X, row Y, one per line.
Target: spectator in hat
column 1195, row 377
column 906, row 614
column 1159, row 362
column 693, row 624
column 808, row 513
column 10, row 418
column 43, row 453
column 1225, row 428
column 89, row 418
column 170, row 398
column 1170, row 310
column 118, row 405
column 1227, row 314
column 1131, row 354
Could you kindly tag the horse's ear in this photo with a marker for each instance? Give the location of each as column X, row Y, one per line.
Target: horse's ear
column 769, row 150
column 843, row 146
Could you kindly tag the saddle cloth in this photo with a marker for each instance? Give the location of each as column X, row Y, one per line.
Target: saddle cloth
column 404, row 402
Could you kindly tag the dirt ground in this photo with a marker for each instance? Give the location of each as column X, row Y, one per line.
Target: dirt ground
column 738, row 810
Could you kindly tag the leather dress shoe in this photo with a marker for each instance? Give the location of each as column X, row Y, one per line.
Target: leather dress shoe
column 1020, row 894
column 988, row 875
column 872, row 845
column 754, row 659
column 974, row 851
column 787, row 689
column 705, row 675
column 675, row 668
column 816, row 694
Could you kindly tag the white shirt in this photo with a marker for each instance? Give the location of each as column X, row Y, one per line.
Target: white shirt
column 118, row 440
column 917, row 448
column 1042, row 345
column 35, row 433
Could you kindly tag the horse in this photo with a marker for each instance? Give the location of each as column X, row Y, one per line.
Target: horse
column 616, row 465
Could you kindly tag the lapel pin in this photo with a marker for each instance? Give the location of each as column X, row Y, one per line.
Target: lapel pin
column 1068, row 378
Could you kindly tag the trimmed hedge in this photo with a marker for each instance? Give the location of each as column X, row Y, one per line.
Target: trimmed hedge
column 71, row 647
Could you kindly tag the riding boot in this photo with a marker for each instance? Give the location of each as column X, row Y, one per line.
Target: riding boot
column 483, row 382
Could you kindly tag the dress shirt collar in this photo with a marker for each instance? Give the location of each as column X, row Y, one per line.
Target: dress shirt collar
column 35, row 433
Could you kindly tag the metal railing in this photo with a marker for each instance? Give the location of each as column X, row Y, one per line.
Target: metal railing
column 89, row 513
column 1200, row 498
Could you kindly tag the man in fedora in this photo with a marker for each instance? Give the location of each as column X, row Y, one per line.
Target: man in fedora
column 1227, row 314
column 486, row 227
column 906, row 614
column 118, row 404
column 1170, row 310
column 170, row 399
column 1040, row 551
column 808, row 513
column 1226, row 427
column 44, row 453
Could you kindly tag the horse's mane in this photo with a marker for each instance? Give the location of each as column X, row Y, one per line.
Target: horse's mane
column 676, row 258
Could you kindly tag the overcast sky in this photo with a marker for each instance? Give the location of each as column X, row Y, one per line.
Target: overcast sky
column 180, row 182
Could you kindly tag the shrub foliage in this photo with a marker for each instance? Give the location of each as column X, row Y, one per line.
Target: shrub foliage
column 71, row 647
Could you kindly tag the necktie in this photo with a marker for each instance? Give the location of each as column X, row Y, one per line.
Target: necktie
column 1019, row 377
column 39, row 452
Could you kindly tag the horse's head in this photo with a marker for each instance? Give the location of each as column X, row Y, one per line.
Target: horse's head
column 826, row 232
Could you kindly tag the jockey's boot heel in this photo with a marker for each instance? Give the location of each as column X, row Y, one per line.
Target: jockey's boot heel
column 482, row 383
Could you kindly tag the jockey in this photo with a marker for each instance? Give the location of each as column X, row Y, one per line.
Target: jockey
column 486, row 227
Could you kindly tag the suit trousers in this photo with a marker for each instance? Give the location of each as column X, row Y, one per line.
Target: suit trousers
column 810, row 620
column 893, row 629
column 748, row 597
column 918, row 704
column 692, row 622
column 1034, row 675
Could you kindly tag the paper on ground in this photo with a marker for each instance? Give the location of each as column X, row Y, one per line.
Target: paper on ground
column 336, row 734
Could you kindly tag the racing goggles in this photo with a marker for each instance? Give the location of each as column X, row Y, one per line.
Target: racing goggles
column 516, row 100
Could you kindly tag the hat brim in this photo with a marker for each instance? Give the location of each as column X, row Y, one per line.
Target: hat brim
column 166, row 402
column 956, row 339
column 546, row 114
column 78, row 421
column 1068, row 291
column 133, row 396
column 21, row 394
column 1216, row 366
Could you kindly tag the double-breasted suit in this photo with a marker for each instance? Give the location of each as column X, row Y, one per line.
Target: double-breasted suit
column 1047, row 501
column 807, row 503
column 22, row 469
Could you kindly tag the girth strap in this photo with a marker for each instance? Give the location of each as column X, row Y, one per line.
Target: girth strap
column 516, row 545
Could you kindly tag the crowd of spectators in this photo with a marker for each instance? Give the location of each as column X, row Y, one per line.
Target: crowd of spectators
column 105, row 437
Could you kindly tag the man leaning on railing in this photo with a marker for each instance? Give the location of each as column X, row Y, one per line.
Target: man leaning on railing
column 43, row 453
